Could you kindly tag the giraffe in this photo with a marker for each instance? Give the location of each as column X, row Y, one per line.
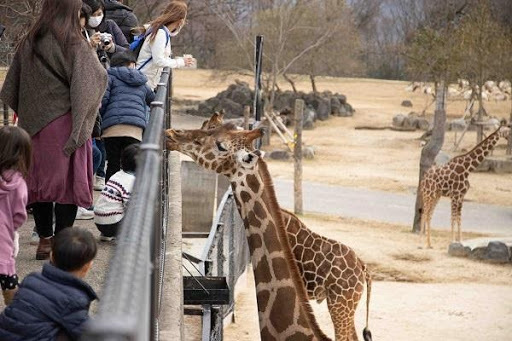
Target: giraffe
column 451, row 180
column 329, row 269
column 223, row 150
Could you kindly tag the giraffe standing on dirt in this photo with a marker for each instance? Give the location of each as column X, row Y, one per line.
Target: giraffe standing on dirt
column 451, row 180
column 229, row 152
column 329, row 269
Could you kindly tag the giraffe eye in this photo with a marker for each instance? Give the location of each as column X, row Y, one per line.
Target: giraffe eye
column 221, row 147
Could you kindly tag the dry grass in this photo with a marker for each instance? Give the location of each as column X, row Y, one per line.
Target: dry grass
column 382, row 160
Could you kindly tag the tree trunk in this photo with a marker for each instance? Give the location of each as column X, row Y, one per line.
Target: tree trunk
column 289, row 80
column 313, row 84
column 509, row 145
column 479, row 127
column 431, row 149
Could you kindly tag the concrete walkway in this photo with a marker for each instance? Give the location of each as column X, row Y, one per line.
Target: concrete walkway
column 391, row 207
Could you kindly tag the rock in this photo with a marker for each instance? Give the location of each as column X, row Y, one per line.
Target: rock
column 406, row 103
column 279, row 154
column 309, row 119
column 423, row 124
column 323, row 110
column 346, row 111
column 342, row 98
column 410, row 123
column 478, row 253
column 241, row 97
column 308, row 152
column 503, row 166
column 336, row 106
column 442, row 158
column 231, row 108
column 456, row 249
column 458, row 124
column 398, row 121
column 497, row 252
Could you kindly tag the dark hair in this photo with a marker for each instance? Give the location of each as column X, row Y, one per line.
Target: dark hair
column 85, row 12
column 123, row 58
column 60, row 17
column 72, row 248
column 95, row 5
column 129, row 158
column 15, row 150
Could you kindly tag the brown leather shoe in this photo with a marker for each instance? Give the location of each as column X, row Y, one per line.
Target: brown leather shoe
column 44, row 248
column 9, row 295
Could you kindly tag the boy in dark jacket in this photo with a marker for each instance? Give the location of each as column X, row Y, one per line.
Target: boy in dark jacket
column 54, row 304
column 124, row 108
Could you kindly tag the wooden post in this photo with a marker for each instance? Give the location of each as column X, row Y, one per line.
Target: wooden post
column 247, row 113
column 297, row 156
column 509, row 144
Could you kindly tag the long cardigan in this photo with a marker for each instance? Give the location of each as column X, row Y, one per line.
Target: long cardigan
column 39, row 92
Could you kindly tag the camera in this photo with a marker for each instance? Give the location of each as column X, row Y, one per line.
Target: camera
column 105, row 39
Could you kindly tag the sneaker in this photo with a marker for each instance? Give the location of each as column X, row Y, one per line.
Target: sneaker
column 99, row 183
column 107, row 239
column 34, row 240
column 84, row 214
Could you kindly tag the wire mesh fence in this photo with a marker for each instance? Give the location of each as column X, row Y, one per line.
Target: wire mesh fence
column 226, row 254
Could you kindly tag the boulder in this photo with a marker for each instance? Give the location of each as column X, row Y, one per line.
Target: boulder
column 406, row 103
column 336, row 106
column 309, row 119
column 308, row 152
column 458, row 124
column 423, row 124
column 279, row 154
column 497, row 252
column 231, row 108
column 346, row 111
column 398, row 121
column 456, row 249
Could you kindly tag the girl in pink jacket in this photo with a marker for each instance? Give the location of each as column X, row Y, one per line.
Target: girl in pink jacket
column 15, row 156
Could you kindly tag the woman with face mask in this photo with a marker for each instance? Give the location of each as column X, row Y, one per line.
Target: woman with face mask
column 155, row 53
column 98, row 24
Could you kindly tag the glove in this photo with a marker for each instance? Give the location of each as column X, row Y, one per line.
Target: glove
column 16, row 244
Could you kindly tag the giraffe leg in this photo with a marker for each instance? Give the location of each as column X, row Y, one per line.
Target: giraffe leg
column 428, row 218
column 456, row 212
column 342, row 309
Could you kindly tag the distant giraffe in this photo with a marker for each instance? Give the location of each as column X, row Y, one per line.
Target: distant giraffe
column 451, row 180
column 328, row 269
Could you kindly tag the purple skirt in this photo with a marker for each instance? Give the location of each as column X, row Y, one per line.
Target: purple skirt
column 53, row 176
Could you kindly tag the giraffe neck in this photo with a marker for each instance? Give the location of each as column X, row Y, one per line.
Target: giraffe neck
column 474, row 157
column 283, row 307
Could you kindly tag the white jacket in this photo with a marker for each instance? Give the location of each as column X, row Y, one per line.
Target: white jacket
column 160, row 50
column 111, row 205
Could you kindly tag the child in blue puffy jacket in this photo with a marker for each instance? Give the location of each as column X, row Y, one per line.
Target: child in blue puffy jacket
column 124, row 108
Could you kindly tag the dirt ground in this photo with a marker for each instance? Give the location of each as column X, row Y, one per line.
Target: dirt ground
column 416, row 294
column 383, row 159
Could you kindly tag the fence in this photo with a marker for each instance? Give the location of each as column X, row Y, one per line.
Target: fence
column 130, row 305
column 225, row 254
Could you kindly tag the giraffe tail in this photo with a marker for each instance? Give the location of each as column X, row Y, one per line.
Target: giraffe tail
column 367, row 334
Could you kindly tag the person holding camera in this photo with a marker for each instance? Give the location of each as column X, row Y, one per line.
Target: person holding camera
column 106, row 35
column 55, row 84
column 155, row 53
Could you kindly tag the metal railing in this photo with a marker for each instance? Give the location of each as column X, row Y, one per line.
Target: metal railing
column 130, row 305
column 227, row 254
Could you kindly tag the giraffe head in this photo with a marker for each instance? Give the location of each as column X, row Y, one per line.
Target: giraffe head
column 224, row 149
column 215, row 121
column 504, row 132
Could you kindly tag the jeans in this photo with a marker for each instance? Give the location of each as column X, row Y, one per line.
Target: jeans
column 101, row 168
column 114, row 147
column 65, row 215
column 97, row 158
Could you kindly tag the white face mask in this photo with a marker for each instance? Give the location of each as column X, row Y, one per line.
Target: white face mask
column 175, row 32
column 95, row 21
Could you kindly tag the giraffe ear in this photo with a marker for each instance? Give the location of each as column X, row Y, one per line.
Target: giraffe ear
column 255, row 134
